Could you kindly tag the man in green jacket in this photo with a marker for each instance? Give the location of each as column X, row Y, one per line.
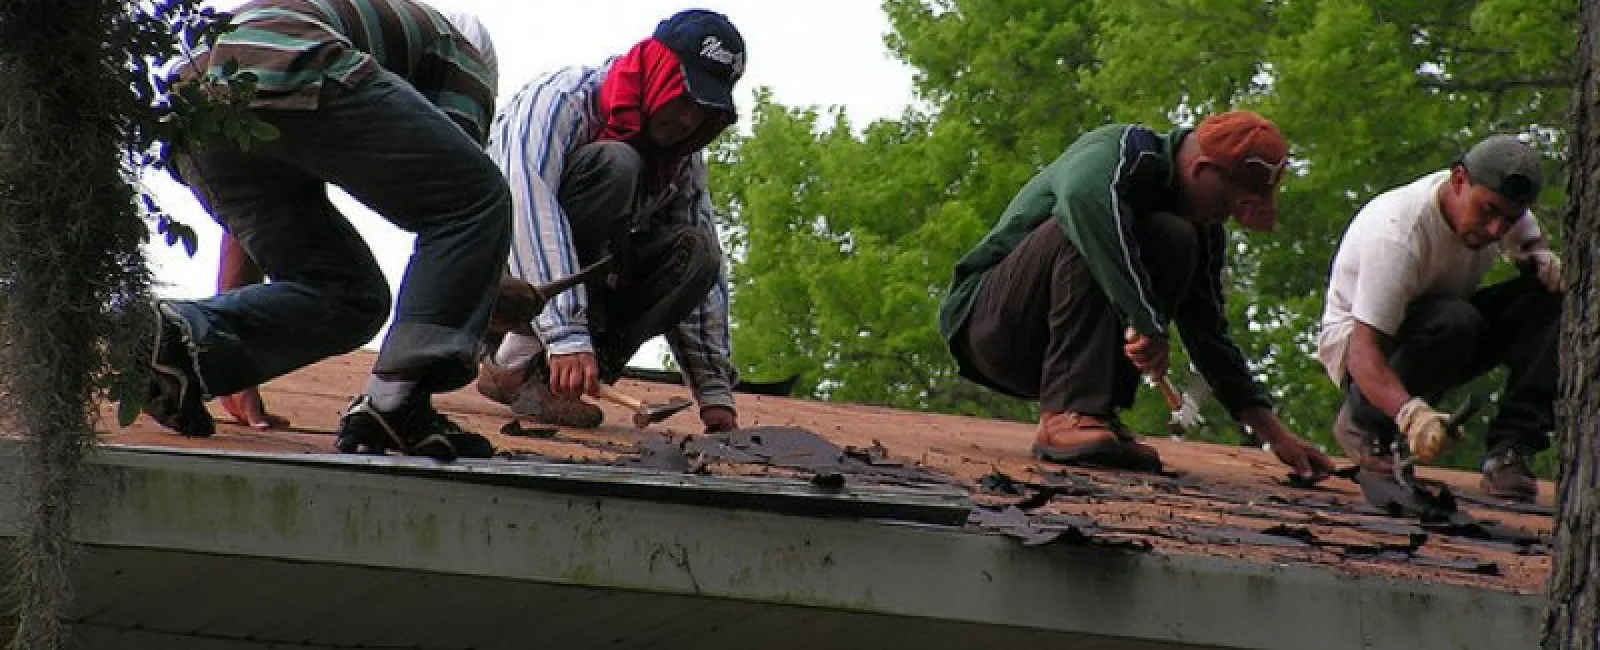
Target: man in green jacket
column 1069, row 298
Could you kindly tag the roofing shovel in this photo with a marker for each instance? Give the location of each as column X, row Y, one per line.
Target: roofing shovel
column 1407, row 494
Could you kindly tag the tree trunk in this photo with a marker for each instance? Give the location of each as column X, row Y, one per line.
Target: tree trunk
column 1573, row 619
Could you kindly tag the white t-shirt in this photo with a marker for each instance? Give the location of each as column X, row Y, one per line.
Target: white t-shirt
column 1397, row 249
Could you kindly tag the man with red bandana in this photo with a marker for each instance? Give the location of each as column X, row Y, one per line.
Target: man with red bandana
column 608, row 160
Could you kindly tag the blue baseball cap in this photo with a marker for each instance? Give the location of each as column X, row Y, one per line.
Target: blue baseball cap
column 711, row 51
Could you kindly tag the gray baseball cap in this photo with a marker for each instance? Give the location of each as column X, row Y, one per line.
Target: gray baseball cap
column 1506, row 165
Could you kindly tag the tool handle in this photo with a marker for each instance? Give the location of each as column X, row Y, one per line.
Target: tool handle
column 618, row 397
column 1452, row 426
column 1174, row 400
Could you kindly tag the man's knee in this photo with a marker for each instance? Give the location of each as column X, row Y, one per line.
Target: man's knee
column 1445, row 326
column 599, row 191
column 358, row 313
column 1172, row 230
column 1169, row 246
column 616, row 165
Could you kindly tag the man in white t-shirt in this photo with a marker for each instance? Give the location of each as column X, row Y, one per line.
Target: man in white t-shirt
column 1405, row 320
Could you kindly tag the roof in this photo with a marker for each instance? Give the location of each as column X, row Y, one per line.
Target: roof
column 1216, row 501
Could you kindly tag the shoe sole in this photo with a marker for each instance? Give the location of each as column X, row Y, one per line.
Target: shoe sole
column 434, row 445
column 1111, row 455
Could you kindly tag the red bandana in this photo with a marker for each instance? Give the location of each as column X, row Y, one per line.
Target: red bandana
column 639, row 84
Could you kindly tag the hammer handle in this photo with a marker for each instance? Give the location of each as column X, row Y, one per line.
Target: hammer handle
column 620, row 398
column 1174, row 400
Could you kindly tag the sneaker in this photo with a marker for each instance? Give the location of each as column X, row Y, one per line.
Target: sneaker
column 175, row 399
column 414, row 429
column 1070, row 438
column 527, row 392
column 1507, row 475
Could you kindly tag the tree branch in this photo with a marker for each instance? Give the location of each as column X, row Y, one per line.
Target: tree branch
column 1497, row 85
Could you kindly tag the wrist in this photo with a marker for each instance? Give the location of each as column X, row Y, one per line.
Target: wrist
column 1408, row 411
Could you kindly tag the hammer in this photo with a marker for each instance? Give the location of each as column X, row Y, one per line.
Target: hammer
column 520, row 301
column 644, row 414
column 1185, row 408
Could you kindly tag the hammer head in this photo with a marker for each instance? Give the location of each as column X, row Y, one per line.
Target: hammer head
column 520, row 301
column 649, row 414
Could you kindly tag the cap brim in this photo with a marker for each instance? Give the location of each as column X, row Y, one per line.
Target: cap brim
column 709, row 90
column 1259, row 215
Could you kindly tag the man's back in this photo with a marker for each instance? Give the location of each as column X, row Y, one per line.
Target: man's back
column 292, row 46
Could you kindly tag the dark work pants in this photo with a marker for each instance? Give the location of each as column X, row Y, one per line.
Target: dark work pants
column 666, row 269
column 392, row 149
column 1042, row 328
column 1447, row 342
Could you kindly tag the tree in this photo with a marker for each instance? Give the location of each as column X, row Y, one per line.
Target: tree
column 1371, row 94
column 81, row 111
column 1572, row 621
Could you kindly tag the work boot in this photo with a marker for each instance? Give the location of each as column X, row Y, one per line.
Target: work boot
column 1507, row 475
column 175, row 398
column 414, row 429
column 1072, row 438
column 1360, row 446
column 527, row 392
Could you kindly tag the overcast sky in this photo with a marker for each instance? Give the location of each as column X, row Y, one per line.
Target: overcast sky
column 814, row 53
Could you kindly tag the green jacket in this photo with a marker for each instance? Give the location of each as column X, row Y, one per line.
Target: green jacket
column 1103, row 182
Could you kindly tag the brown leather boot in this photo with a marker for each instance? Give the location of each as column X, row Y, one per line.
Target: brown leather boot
column 1081, row 439
column 528, row 394
column 1506, row 475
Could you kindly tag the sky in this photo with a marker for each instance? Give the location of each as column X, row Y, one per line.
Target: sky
column 825, row 53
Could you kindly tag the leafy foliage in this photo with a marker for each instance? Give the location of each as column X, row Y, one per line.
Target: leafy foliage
column 83, row 107
column 845, row 237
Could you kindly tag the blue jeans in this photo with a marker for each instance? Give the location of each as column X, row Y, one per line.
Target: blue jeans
column 385, row 144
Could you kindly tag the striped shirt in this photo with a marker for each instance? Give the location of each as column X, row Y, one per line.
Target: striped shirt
column 530, row 139
column 293, row 46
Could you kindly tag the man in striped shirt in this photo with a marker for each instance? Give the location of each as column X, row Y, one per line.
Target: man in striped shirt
column 608, row 160
column 1068, row 298
column 388, row 101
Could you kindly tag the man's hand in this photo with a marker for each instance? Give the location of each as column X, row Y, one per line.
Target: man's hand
column 1150, row 354
column 1547, row 264
column 574, row 375
column 1306, row 461
column 719, row 419
column 1423, row 428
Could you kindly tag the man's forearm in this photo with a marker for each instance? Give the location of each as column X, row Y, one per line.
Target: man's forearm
column 1369, row 369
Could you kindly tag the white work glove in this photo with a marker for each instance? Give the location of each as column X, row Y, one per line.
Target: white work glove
column 1548, row 265
column 1423, row 428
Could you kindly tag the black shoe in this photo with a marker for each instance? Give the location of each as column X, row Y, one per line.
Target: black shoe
column 175, row 398
column 471, row 445
column 414, row 429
